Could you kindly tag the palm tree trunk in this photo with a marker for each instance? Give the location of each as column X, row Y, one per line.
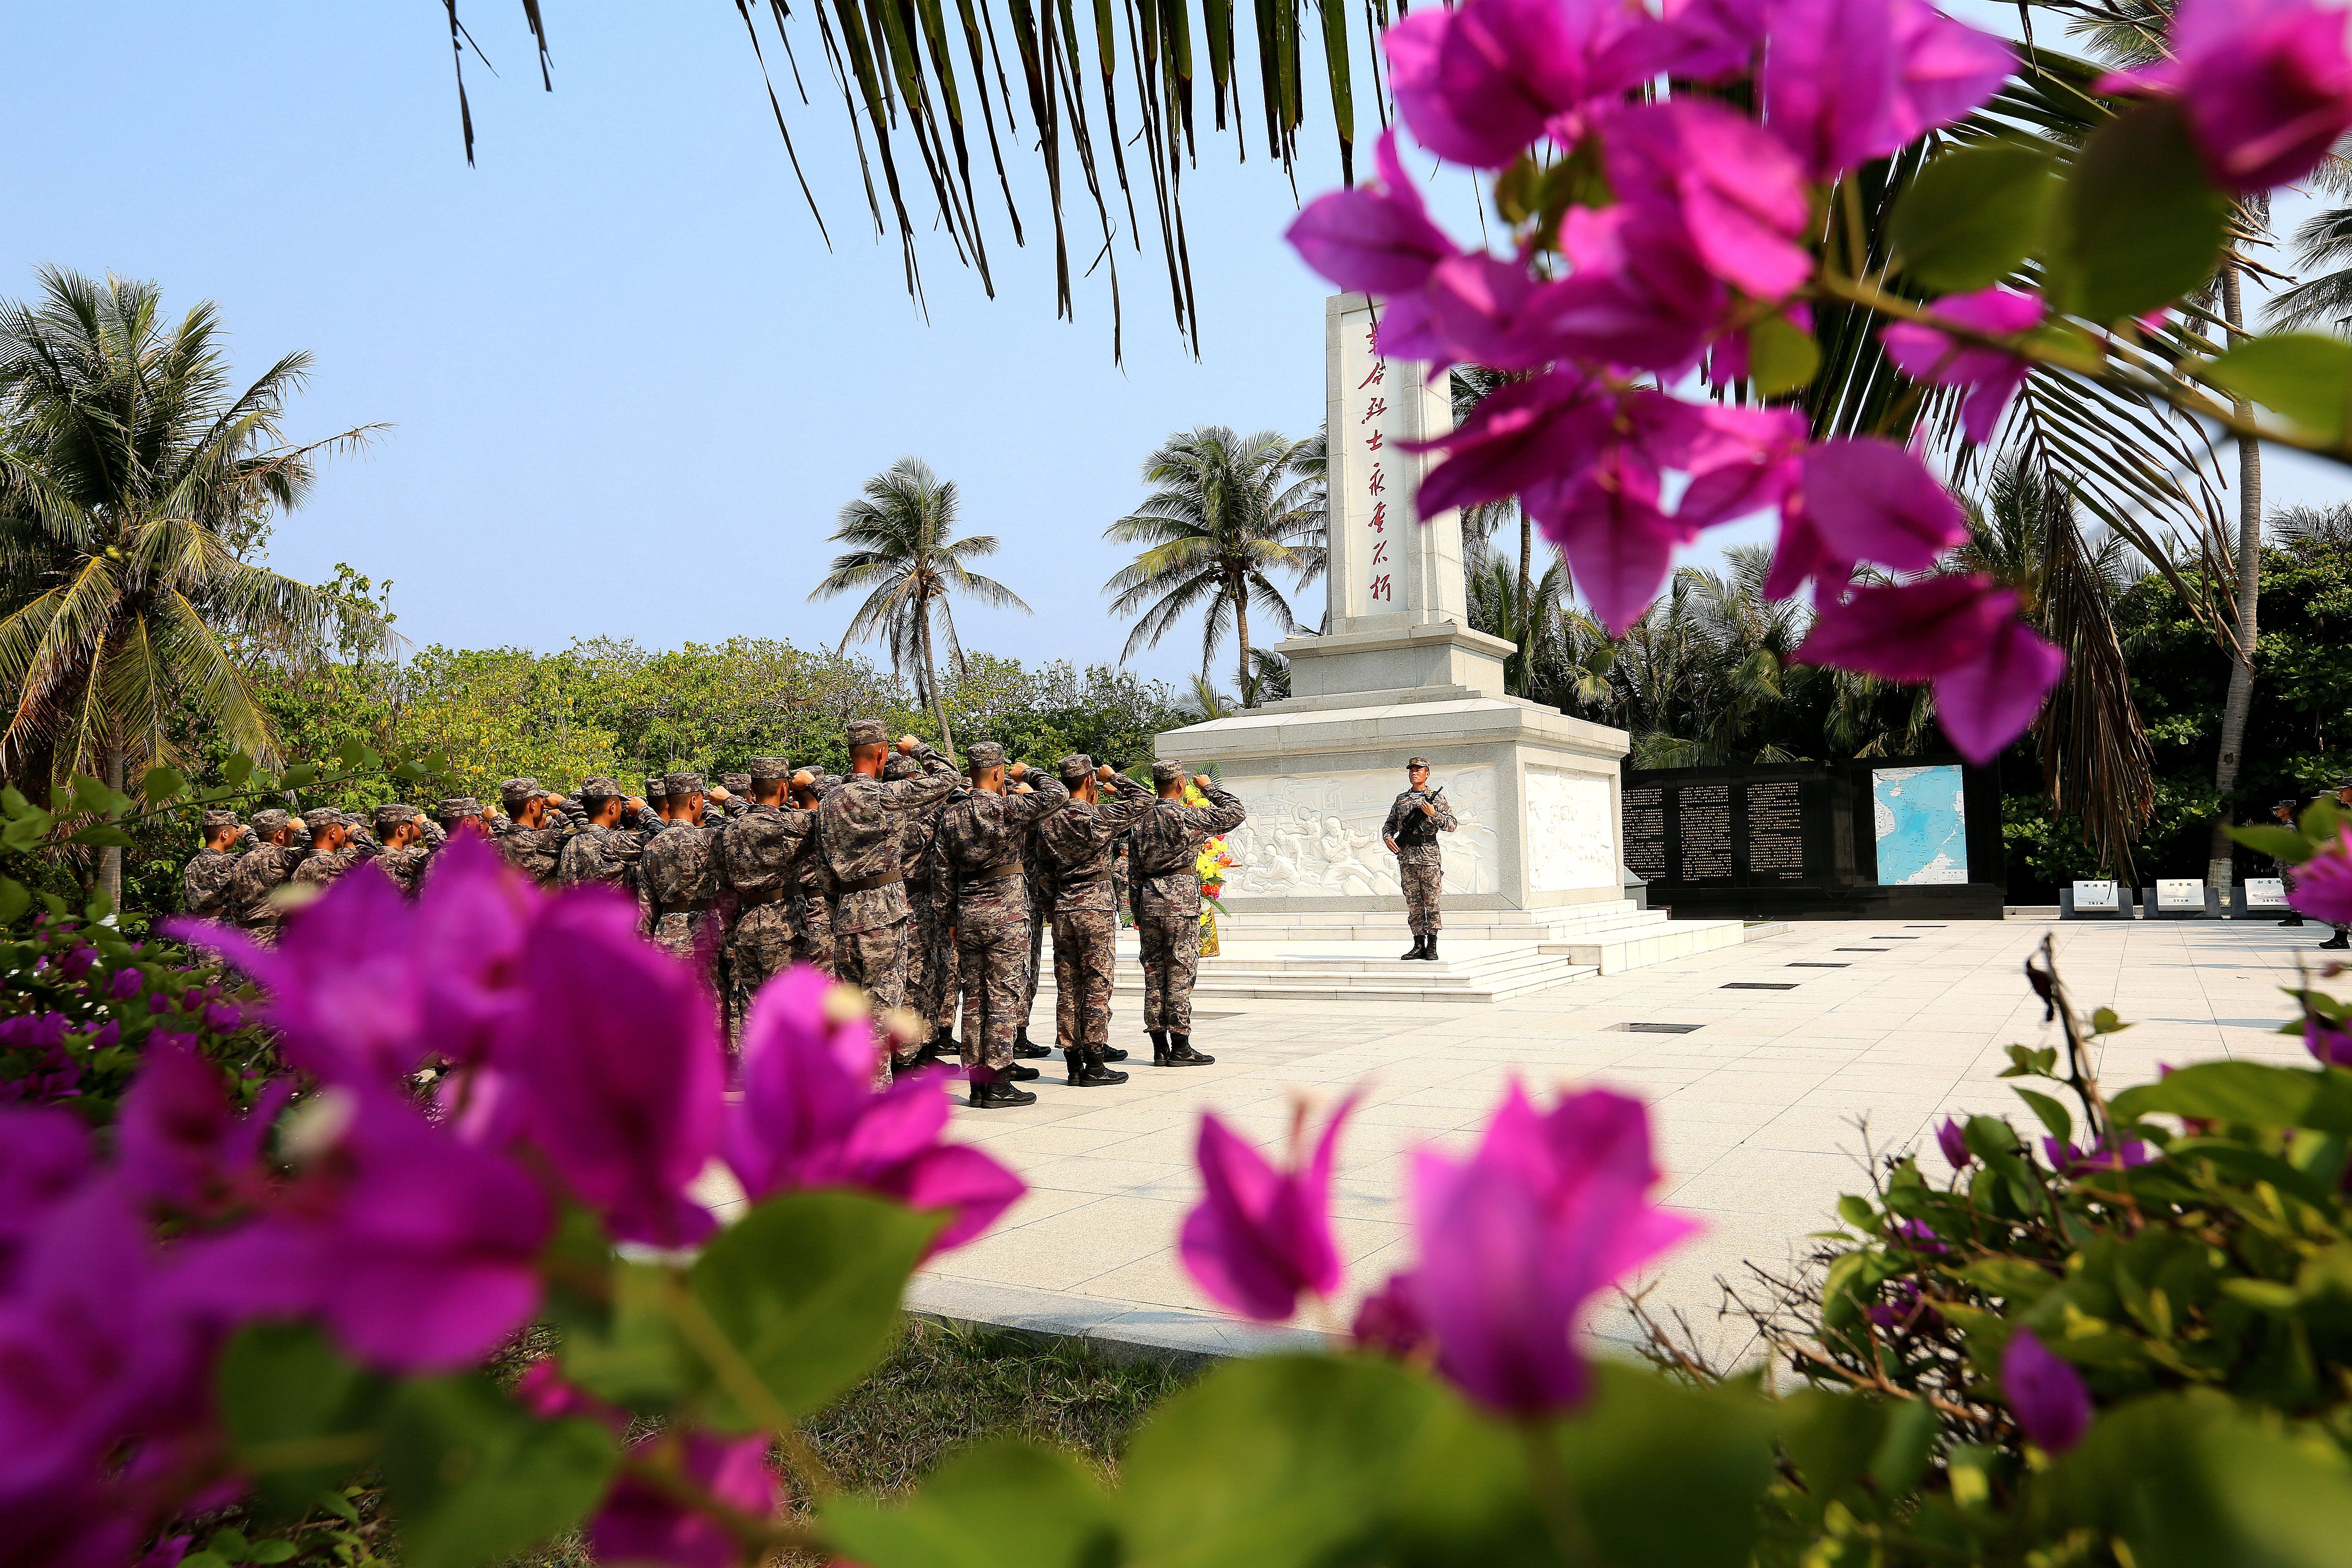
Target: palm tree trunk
column 110, row 858
column 2241, row 696
column 932, row 685
column 1241, row 631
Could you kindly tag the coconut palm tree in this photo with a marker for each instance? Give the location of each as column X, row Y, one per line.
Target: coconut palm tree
column 907, row 560
column 129, row 467
column 1222, row 519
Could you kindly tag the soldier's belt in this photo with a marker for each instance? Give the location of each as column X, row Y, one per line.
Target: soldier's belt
column 752, row 901
column 993, row 873
column 1079, row 879
column 661, row 909
column 868, row 884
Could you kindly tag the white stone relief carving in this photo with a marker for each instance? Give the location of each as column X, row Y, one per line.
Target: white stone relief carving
column 1318, row 835
column 1571, row 832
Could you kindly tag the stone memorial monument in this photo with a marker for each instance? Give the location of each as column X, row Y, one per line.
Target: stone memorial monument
column 1398, row 672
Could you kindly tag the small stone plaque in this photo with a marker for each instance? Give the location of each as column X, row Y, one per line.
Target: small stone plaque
column 2180, row 892
column 2101, row 896
column 2265, row 893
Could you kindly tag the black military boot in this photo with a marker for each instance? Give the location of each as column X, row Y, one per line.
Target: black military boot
column 1092, row 1074
column 1158, row 1046
column 1429, row 947
column 1111, row 1053
column 2337, row 943
column 1179, row 1053
column 1419, row 941
column 2292, row 920
column 1026, row 1049
column 1013, row 1072
column 1074, row 1061
column 934, row 1051
column 989, row 1094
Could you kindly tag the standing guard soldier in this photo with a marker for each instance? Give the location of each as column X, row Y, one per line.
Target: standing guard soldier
column 601, row 849
column 981, row 835
column 857, row 838
column 1164, row 852
column 262, row 870
column 2283, row 813
column 2341, row 937
column 400, row 831
column 331, row 852
column 1419, row 815
column 760, row 852
column 205, row 881
column 532, row 838
column 1077, row 843
column 680, row 869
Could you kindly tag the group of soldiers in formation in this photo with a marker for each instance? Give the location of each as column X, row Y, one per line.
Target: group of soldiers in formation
column 903, row 876
column 2288, row 811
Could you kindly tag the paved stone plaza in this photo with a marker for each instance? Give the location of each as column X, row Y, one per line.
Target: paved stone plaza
column 1756, row 1111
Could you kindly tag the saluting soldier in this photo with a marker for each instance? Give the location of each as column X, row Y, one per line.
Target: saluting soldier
column 404, row 849
column 599, row 849
column 1419, row 815
column 532, row 838
column 331, row 851
column 262, row 869
column 1040, row 915
column 1077, row 843
column 680, row 869
column 759, row 859
column 812, row 882
column 857, row 838
column 980, row 836
column 205, row 881
column 733, row 795
column 1164, row 853
column 931, row 915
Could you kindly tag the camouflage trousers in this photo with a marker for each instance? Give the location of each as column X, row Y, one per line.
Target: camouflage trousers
column 995, row 977
column 760, row 947
column 876, row 960
column 812, row 934
column 1172, row 961
column 930, row 955
column 1082, row 956
column 1038, row 920
column 675, row 933
column 1424, row 880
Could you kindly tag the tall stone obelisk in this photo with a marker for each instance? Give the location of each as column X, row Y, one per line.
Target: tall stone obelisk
column 1400, row 673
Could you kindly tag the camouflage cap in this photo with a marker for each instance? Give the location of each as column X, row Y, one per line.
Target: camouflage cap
column 1167, row 770
column 678, row 784
column 600, row 789
column 867, row 732
column 770, row 769
column 901, row 768
column 1077, row 766
column 352, row 820
column 452, row 807
column 1416, row 762
column 655, row 789
column 737, row 783
column 214, row 821
column 983, row 754
column 270, row 820
column 392, row 813
column 318, row 818
column 515, row 792
column 2287, row 804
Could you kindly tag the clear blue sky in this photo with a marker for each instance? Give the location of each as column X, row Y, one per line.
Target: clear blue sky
column 629, row 387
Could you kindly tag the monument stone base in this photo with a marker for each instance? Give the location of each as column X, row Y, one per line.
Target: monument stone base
column 1535, row 792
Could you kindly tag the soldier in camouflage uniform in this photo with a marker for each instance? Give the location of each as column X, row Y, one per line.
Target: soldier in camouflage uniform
column 262, row 870
column 331, row 850
column 532, row 838
column 1040, row 915
column 733, row 795
column 406, row 849
column 857, row 838
column 981, row 837
column 930, row 949
column 1164, row 850
column 760, row 852
column 1419, row 815
column 679, row 869
column 205, row 881
column 811, row 883
column 599, row 849
column 1075, row 841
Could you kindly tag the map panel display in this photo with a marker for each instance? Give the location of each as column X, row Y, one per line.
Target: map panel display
column 1921, row 825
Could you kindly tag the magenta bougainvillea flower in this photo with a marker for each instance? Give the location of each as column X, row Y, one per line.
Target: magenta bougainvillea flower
column 1389, row 1321
column 1959, row 632
column 1992, row 377
column 1870, row 499
column 1476, row 83
column 179, row 1141
column 1378, row 237
column 1260, row 1238
column 638, row 1523
column 1733, row 188
column 1849, row 80
column 2267, row 85
column 1953, row 1140
column 1550, row 1210
column 2321, row 885
column 2046, row 1396
column 2073, row 1161
column 2326, row 1043
column 810, row 1117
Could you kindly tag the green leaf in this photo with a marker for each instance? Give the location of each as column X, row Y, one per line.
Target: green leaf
column 2278, row 843
column 631, row 1355
column 298, row 1414
column 268, row 1551
column 98, row 835
column 1003, row 1504
column 2136, row 224
column 237, row 769
column 298, row 776
column 1830, row 1437
column 2010, row 1279
column 2249, row 1092
column 2053, row 1115
column 229, row 1543
column 1972, row 216
column 204, row 1559
column 1277, row 1461
column 1783, row 357
column 2253, row 1166
column 15, row 899
column 1859, row 1212
column 163, row 784
column 472, row 1477
column 1902, row 1457
column 2108, row 1021
column 2302, row 377
column 806, row 1288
